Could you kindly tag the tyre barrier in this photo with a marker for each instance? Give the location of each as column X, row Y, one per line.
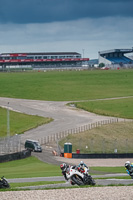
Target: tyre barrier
column 105, row 155
column 15, row 156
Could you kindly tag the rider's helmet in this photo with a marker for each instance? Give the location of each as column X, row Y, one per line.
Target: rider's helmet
column 63, row 166
column 127, row 164
column 81, row 163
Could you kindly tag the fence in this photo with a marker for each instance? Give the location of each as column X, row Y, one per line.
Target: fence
column 117, row 66
column 10, row 144
column 58, row 136
column 101, row 145
column 13, row 144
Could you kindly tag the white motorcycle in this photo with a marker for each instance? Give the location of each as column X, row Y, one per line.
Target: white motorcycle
column 79, row 176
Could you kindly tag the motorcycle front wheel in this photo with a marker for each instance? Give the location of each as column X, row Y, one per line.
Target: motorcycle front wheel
column 77, row 180
column 89, row 180
column 93, row 182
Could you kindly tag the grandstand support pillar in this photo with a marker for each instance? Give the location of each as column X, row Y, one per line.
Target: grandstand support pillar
column 83, row 52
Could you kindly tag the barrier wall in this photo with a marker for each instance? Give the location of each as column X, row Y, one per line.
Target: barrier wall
column 104, row 155
column 15, row 156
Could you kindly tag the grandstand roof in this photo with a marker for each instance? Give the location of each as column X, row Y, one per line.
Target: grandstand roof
column 116, row 50
column 46, row 53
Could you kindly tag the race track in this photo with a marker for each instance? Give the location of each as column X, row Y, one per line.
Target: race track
column 65, row 117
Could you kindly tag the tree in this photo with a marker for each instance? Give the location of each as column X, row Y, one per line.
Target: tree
column 101, row 65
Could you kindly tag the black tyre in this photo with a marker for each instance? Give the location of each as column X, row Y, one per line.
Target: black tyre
column 93, row 182
column 88, row 180
column 6, row 184
column 77, row 180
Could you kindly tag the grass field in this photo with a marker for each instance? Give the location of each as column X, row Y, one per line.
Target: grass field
column 67, row 85
column 19, row 122
column 64, row 86
column 32, row 167
column 29, row 167
column 117, row 108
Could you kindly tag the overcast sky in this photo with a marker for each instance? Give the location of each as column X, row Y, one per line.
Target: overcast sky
column 84, row 26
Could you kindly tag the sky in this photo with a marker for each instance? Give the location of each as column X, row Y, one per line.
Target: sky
column 83, row 26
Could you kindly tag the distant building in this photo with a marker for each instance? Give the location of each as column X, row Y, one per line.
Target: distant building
column 93, row 63
column 41, row 60
column 115, row 57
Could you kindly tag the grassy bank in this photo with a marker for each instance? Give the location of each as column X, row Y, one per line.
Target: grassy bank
column 117, row 107
column 19, row 123
column 29, row 167
column 104, row 139
column 32, row 167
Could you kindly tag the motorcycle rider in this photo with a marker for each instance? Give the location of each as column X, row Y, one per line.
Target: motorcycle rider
column 1, row 184
column 129, row 167
column 4, row 183
column 65, row 168
column 82, row 165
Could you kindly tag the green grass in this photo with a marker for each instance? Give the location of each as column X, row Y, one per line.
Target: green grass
column 68, row 85
column 109, row 170
column 14, row 185
column 32, row 167
column 116, row 177
column 118, row 107
column 103, row 139
column 27, row 168
column 19, row 123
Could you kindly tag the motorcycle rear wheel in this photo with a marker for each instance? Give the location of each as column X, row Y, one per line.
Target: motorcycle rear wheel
column 5, row 184
column 89, row 180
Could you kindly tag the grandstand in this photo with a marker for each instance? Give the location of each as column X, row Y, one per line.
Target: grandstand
column 115, row 58
column 41, row 60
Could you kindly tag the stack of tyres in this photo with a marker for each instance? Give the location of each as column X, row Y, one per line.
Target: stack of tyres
column 68, row 150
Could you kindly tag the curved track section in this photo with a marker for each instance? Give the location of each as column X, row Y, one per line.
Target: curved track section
column 64, row 117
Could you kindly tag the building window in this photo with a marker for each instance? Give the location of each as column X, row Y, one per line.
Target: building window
column 30, row 57
column 53, row 57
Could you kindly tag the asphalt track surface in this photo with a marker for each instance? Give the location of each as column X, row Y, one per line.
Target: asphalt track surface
column 103, row 182
column 64, row 118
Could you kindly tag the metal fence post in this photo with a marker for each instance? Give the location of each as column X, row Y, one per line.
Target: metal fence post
column 126, row 145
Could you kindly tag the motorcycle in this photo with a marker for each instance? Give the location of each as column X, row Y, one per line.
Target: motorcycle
column 4, row 183
column 79, row 177
column 130, row 173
